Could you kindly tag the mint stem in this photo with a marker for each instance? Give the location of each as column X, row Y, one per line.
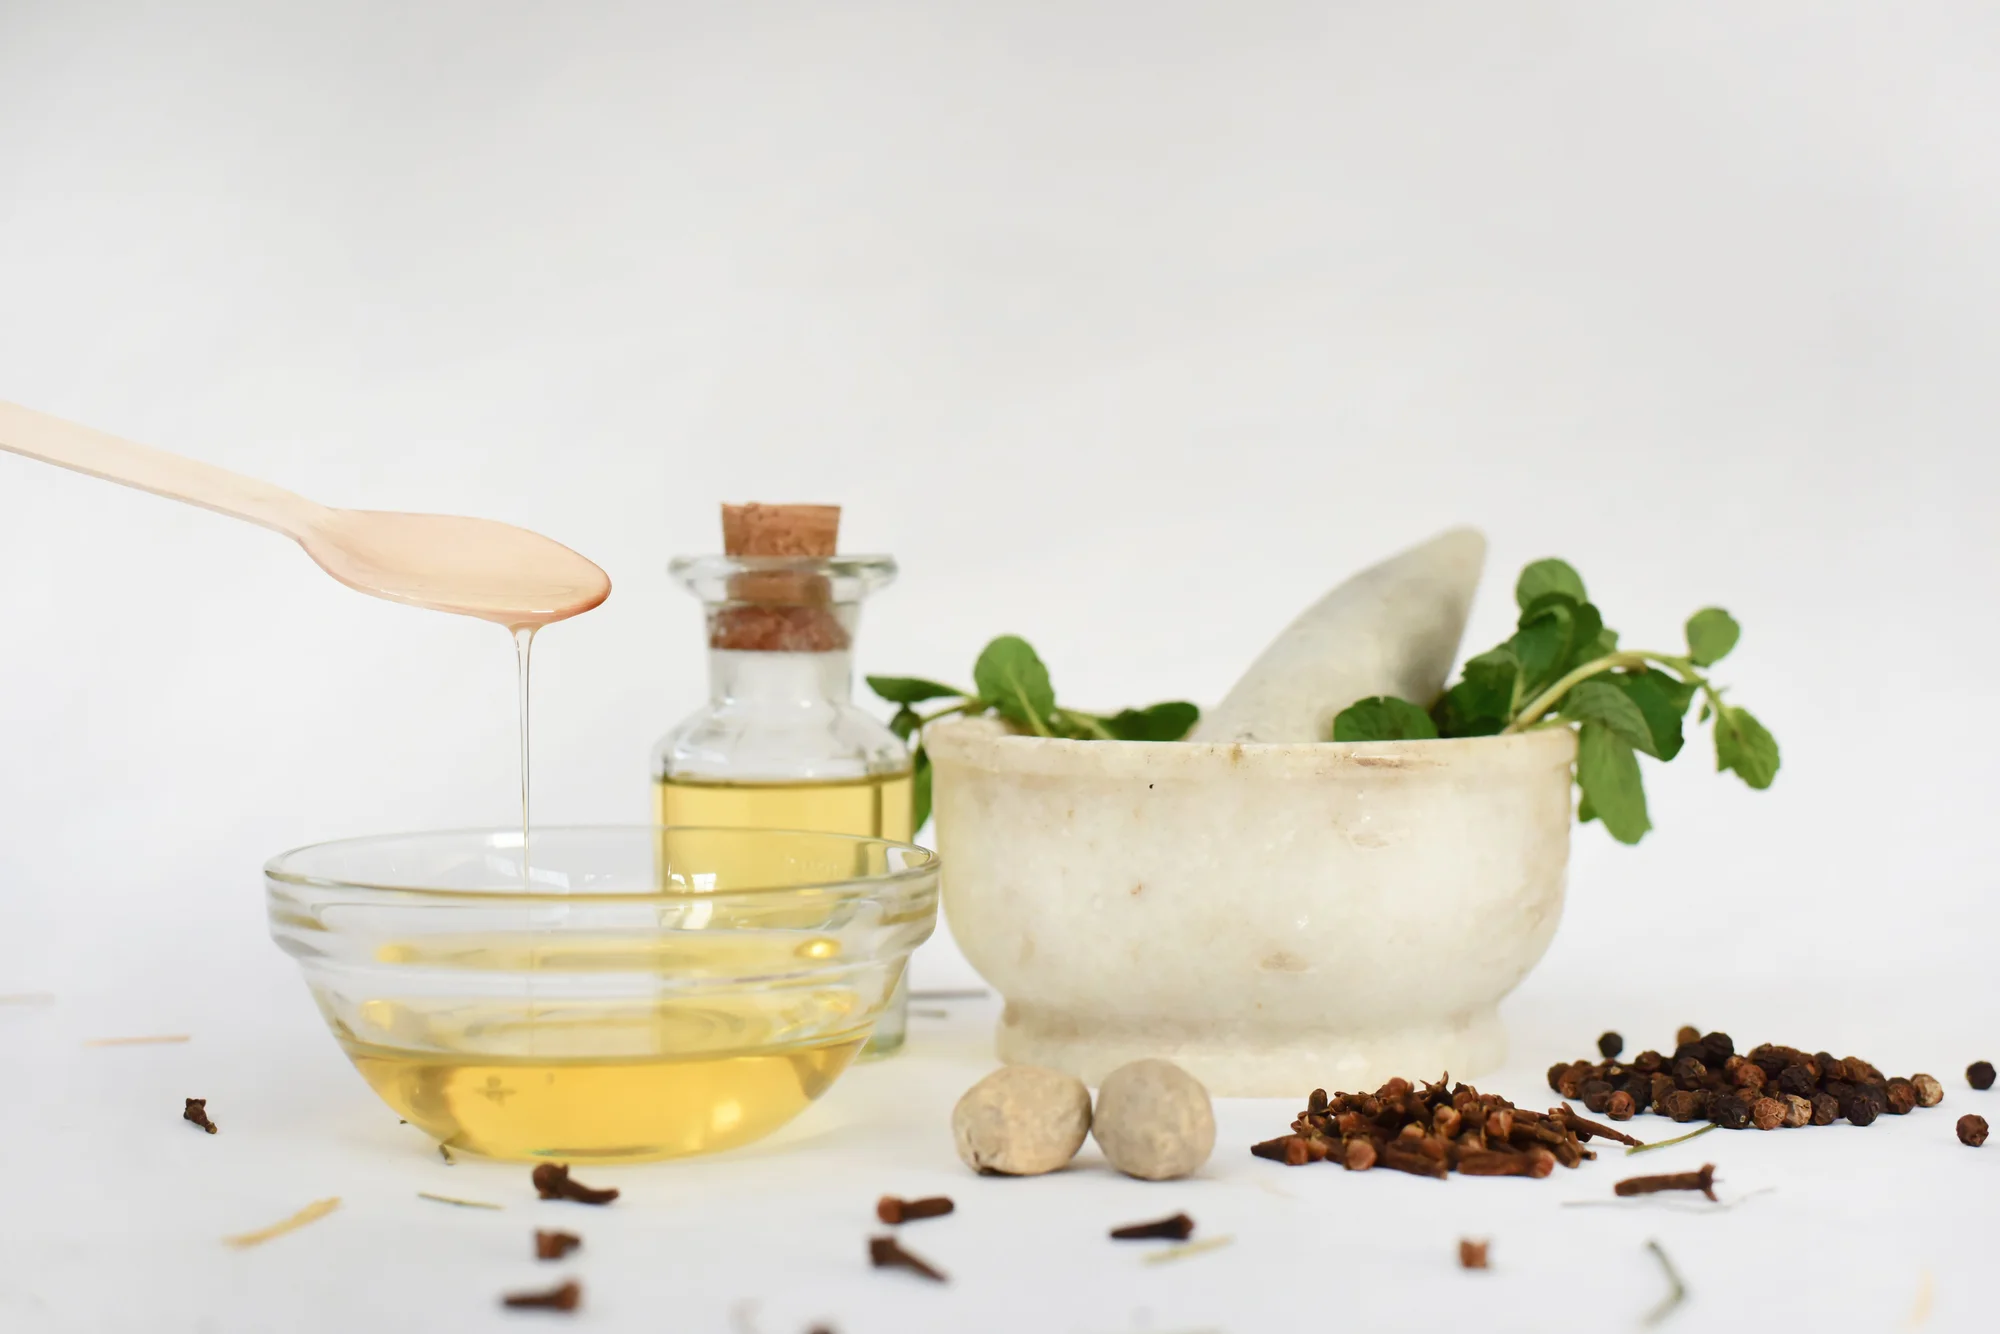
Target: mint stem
column 1549, row 698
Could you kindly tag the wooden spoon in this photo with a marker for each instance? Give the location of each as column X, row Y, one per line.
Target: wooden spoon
column 474, row 567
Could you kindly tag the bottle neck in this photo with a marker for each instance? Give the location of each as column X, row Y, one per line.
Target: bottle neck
column 749, row 677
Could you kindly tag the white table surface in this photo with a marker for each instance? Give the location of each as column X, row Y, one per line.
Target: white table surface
column 112, row 1207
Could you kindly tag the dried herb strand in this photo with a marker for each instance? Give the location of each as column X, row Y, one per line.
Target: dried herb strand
column 152, row 1040
column 1669, row 1143
column 453, row 1199
column 1191, row 1248
column 312, row 1213
column 1676, row 1290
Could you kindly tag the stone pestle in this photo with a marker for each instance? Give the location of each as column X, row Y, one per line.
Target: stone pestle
column 1393, row 629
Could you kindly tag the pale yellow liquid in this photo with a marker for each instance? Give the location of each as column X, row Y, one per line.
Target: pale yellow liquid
column 609, row 1080
column 877, row 806
column 874, row 807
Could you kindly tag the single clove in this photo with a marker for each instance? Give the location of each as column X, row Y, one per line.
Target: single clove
column 197, row 1112
column 563, row 1297
column 555, row 1245
column 1534, row 1163
column 1585, row 1128
column 552, row 1182
column 885, row 1253
column 1703, row 1181
column 1178, row 1228
column 1471, row 1254
column 892, row 1210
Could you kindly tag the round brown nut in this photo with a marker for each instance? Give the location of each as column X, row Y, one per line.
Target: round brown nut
column 1972, row 1130
column 1021, row 1120
column 1154, row 1120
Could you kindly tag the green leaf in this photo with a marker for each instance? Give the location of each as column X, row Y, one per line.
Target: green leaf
column 1158, row 722
column 905, row 722
column 920, row 793
column 1548, row 576
column 1010, row 675
column 1606, row 645
column 1608, row 772
column 1483, row 700
column 1546, row 640
column 1383, row 718
column 1585, row 812
column 911, row 689
column 1742, row 744
column 1600, row 702
column 1711, row 633
column 1662, row 700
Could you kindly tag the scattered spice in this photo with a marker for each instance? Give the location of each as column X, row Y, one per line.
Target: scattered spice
column 892, row 1210
column 563, row 1297
column 155, row 1040
column 1972, row 1130
column 445, row 1153
column 1191, row 1248
column 1980, row 1075
column 1178, row 1228
column 552, row 1182
column 453, row 1199
column 885, row 1253
column 29, row 998
column 1676, row 1290
column 197, row 1112
column 1432, row 1130
column 1769, row 1087
column 312, row 1213
column 1703, row 1181
column 1472, row 1254
column 1608, row 1046
column 555, row 1245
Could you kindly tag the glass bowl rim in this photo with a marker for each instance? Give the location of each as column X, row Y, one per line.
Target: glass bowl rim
column 276, row 871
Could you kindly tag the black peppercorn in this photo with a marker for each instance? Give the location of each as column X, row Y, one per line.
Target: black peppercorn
column 1902, row 1095
column 1980, row 1074
column 1596, row 1093
column 1556, row 1073
column 1610, row 1045
column 1719, row 1048
column 1826, row 1109
column 1794, row 1079
column 1680, row 1105
column 1729, row 1111
column 1972, row 1130
column 1689, row 1071
column 1863, row 1105
column 1649, row 1063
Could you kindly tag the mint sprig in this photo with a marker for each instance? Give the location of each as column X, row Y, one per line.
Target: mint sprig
column 1563, row 667
column 1010, row 680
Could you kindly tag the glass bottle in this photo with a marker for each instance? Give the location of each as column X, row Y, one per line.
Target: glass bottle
column 781, row 744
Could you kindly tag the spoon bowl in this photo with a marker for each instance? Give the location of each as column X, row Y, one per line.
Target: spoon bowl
column 444, row 562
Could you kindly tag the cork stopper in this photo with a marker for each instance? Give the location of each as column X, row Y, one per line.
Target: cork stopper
column 779, row 611
column 780, row 530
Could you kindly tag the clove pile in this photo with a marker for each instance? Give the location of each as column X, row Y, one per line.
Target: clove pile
column 1433, row 1131
column 1772, row 1086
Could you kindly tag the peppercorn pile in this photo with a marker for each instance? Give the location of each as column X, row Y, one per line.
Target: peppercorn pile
column 1771, row 1086
column 1433, row 1130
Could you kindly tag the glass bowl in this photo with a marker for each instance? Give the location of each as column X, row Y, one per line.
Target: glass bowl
column 639, row 992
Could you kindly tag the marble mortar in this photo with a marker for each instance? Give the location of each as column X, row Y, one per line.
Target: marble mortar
column 1274, row 918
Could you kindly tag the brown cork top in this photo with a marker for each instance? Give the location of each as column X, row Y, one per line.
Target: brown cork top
column 779, row 611
column 780, row 530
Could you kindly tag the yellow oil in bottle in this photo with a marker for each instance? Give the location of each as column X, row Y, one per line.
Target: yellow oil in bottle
column 627, row 1079
column 877, row 806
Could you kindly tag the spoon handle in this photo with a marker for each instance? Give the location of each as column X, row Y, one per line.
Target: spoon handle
column 67, row 445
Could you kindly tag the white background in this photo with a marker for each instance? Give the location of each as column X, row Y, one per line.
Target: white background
column 1126, row 327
